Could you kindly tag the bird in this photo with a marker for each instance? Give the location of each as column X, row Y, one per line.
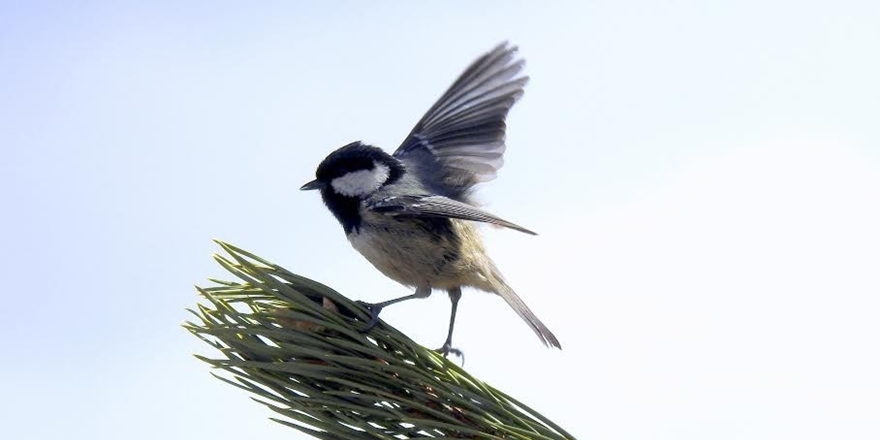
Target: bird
column 412, row 213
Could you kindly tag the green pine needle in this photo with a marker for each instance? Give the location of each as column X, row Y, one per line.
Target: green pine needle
column 297, row 346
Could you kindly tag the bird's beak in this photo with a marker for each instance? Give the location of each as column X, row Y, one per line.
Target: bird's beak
column 315, row 184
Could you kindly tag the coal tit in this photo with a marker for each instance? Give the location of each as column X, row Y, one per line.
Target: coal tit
column 411, row 213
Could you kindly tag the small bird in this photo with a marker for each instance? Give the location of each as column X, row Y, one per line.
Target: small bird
column 411, row 213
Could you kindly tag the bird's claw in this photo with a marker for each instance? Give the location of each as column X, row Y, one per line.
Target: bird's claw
column 374, row 309
column 447, row 349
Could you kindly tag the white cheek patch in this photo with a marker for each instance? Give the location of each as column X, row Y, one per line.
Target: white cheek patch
column 361, row 183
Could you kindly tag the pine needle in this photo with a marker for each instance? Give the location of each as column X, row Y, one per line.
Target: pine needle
column 298, row 347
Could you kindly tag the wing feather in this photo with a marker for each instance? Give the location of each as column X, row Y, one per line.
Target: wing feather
column 438, row 206
column 459, row 142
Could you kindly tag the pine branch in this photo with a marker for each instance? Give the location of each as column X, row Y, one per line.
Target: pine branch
column 297, row 346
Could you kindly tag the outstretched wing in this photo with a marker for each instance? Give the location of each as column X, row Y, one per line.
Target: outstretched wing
column 460, row 140
column 438, row 206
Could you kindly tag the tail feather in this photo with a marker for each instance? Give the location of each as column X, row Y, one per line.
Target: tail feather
column 518, row 305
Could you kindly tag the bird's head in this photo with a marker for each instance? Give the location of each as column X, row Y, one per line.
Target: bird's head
column 355, row 170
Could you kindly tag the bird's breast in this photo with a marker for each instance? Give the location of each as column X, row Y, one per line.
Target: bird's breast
column 415, row 252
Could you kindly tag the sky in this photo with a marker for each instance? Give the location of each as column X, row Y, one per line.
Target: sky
column 704, row 177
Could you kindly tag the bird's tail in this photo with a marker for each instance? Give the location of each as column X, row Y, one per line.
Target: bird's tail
column 505, row 291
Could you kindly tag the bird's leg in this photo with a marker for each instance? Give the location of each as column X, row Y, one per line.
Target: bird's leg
column 376, row 308
column 454, row 296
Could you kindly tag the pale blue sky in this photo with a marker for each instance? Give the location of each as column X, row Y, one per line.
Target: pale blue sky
column 705, row 177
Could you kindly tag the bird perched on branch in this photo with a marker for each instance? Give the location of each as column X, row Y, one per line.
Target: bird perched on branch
column 411, row 213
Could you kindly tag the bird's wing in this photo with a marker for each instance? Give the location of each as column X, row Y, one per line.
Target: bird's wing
column 459, row 142
column 437, row 206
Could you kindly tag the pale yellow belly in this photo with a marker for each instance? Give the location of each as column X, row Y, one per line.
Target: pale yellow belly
column 413, row 258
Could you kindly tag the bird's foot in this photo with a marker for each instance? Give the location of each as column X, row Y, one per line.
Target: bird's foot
column 447, row 349
column 374, row 309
